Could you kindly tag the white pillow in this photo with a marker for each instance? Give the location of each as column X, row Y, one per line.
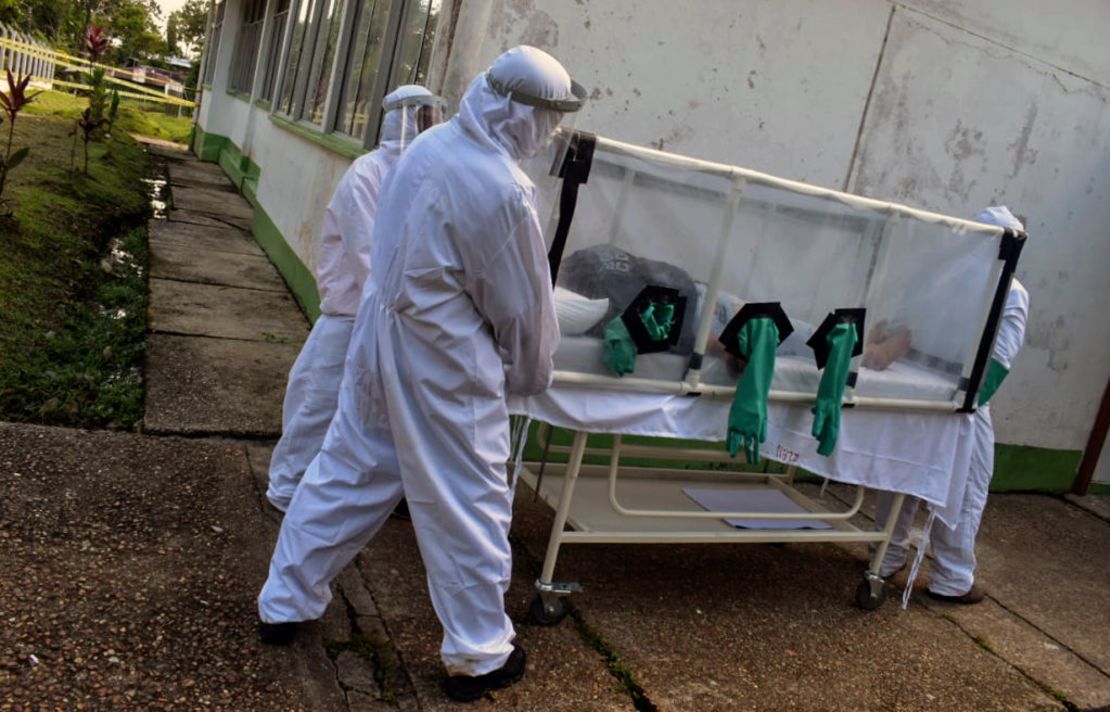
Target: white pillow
column 576, row 313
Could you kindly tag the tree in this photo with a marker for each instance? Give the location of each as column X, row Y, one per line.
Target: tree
column 189, row 24
column 130, row 25
column 131, row 28
column 173, row 35
column 49, row 18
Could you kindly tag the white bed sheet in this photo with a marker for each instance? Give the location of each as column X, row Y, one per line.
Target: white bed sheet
column 926, row 455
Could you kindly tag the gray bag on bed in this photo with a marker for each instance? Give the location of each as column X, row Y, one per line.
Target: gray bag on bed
column 607, row 272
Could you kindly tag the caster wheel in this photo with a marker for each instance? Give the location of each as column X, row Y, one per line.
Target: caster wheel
column 547, row 613
column 867, row 599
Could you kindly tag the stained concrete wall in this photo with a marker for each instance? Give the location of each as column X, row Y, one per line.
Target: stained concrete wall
column 299, row 178
column 949, row 105
column 1008, row 128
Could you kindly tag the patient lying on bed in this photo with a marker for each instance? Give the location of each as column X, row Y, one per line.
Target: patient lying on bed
column 597, row 283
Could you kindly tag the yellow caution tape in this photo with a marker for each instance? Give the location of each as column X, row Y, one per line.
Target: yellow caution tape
column 65, row 61
column 133, row 95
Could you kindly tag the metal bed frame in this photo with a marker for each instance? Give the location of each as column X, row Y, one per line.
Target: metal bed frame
column 652, row 509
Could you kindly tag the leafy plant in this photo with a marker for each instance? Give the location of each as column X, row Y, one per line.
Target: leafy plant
column 13, row 101
column 94, row 117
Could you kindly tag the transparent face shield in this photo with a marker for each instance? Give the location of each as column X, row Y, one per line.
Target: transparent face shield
column 420, row 114
column 561, row 113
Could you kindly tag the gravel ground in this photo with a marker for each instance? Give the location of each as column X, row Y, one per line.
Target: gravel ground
column 130, row 566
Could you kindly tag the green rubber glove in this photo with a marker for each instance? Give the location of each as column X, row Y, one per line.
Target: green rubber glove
column 747, row 418
column 830, row 393
column 996, row 374
column 620, row 351
column 658, row 320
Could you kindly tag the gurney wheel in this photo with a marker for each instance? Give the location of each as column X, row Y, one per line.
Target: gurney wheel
column 867, row 597
column 550, row 612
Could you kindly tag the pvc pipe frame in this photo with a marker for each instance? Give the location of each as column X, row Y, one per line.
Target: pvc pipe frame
column 683, row 388
column 614, row 466
column 739, row 178
column 735, row 173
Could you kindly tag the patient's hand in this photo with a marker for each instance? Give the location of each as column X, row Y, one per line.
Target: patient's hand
column 734, row 365
column 885, row 346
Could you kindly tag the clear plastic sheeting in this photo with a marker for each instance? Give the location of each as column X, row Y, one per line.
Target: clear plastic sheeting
column 724, row 236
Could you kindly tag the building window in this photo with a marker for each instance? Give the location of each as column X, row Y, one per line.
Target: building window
column 363, row 62
column 213, row 44
column 246, row 46
column 323, row 59
column 417, row 37
column 305, row 11
column 345, row 55
column 308, row 69
column 273, row 49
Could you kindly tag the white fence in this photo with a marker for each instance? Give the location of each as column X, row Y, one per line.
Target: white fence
column 21, row 60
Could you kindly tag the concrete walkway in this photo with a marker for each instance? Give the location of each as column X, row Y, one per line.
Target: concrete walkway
column 140, row 556
column 224, row 330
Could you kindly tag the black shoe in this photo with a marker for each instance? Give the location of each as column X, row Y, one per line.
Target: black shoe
column 973, row 596
column 465, row 688
column 277, row 633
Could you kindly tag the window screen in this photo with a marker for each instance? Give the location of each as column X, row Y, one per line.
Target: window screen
column 273, row 49
column 213, row 45
column 362, row 65
column 247, row 44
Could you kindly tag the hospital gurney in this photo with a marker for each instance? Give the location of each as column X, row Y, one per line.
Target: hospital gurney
column 721, row 236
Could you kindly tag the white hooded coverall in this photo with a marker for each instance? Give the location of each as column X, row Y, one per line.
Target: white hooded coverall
column 342, row 267
column 458, row 312
column 953, row 570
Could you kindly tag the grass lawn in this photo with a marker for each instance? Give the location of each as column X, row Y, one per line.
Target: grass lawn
column 73, row 287
column 144, row 119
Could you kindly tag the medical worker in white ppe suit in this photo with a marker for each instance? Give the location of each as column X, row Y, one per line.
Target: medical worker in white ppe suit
column 458, row 313
column 342, row 267
column 953, row 570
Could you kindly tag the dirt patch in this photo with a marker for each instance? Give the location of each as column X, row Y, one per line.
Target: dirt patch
column 131, row 569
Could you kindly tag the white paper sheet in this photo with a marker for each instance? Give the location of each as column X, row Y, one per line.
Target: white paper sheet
column 763, row 501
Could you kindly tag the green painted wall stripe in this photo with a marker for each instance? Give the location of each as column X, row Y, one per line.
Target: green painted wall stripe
column 245, row 173
column 1099, row 488
column 207, row 146
column 232, row 162
column 300, row 280
column 1022, row 467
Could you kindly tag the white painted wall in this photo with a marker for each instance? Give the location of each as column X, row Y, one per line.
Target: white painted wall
column 1102, row 469
column 298, row 178
column 776, row 85
column 991, row 125
column 298, row 175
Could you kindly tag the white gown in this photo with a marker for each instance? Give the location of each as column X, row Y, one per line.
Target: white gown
column 953, row 570
column 312, row 394
column 457, row 313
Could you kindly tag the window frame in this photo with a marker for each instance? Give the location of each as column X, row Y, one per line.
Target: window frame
column 273, row 51
column 239, row 53
column 386, row 76
column 212, row 43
